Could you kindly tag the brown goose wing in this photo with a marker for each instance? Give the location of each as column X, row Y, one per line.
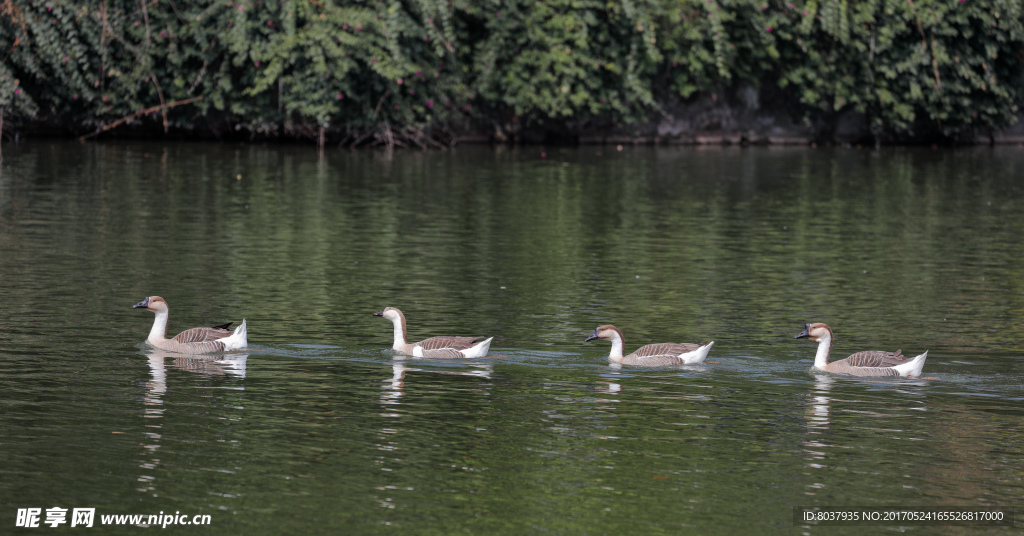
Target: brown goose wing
column 196, row 335
column 666, row 348
column 443, row 353
column 844, row 367
column 652, row 360
column 442, row 343
column 876, row 358
column 659, row 355
column 208, row 347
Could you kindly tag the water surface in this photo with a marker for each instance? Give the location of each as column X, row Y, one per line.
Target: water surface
column 317, row 427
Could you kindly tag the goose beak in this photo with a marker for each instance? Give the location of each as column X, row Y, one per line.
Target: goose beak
column 804, row 333
column 142, row 304
column 592, row 336
column 379, row 313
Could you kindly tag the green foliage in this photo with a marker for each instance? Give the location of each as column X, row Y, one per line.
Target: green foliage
column 709, row 46
column 567, row 58
column 289, row 67
column 908, row 65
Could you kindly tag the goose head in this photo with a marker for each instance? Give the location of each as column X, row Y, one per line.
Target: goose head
column 398, row 320
column 391, row 314
column 611, row 333
column 815, row 332
column 606, row 332
column 821, row 334
column 152, row 303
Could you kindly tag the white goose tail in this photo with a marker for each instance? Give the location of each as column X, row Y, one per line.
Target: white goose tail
column 698, row 355
column 912, row 367
column 479, row 349
column 237, row 340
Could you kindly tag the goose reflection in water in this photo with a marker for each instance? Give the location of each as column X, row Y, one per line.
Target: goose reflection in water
column 389, row 445
column 156, row 388
column 218, row 365
column 610, row 388
column 227, row 364
column 819, row 411
column 393, row 388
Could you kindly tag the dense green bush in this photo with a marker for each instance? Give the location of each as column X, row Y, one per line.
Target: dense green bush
column 298, row 67
column 942, row 65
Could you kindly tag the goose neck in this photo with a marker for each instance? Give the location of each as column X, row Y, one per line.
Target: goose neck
column 400, row 338
column 159, row 331
column 824, row 350
column 617, row 344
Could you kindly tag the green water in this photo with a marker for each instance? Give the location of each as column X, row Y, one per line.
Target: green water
column 319, row 429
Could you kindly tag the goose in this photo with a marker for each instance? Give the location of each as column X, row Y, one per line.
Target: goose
column 436, row 347
column 870, row 363
column 652, row 355
column 191, row 341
